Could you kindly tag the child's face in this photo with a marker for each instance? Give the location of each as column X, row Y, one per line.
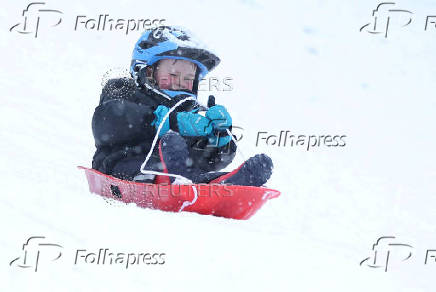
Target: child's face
column 175, row 74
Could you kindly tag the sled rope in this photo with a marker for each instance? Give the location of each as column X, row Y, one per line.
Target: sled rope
column 187, row 203
column 156, row 137
column 182, row 178
column 237, row 148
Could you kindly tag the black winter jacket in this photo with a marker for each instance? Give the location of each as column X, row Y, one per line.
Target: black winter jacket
column 122, row 129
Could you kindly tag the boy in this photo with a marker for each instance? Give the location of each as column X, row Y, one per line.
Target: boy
column 166, row 66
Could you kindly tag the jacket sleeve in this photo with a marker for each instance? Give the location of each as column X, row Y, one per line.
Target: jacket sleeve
column 120, row 121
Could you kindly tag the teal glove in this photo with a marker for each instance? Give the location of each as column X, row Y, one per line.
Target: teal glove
column 193, row 125
column 160, row 112
column 186, row 123
column 221, row 119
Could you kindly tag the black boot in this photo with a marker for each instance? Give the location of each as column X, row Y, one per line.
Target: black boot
column 254, row 172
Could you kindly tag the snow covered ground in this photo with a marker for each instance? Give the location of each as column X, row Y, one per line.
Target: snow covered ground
column 298, row 66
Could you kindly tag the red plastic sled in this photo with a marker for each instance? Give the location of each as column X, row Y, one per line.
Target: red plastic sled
column 230, row 201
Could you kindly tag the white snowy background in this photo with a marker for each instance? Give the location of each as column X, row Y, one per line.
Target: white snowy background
column 301, row 66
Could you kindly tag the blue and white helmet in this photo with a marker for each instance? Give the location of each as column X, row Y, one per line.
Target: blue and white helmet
column 169, row 42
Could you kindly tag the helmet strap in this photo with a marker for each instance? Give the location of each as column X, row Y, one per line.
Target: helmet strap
column 196, row 81
column 147, row 81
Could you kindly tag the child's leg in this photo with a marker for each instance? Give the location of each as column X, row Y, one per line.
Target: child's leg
column 174, row 151
column 171, row 156
column 174, row 154
column 207, row 177
column 129, row 168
